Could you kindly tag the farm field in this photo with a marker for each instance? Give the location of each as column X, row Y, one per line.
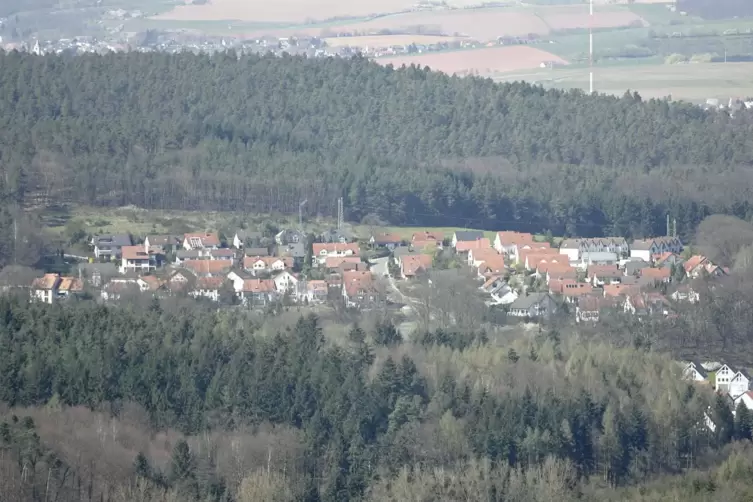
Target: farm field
column 482, row 24
column 486, row 61
column 386, row 40
column 690, row 82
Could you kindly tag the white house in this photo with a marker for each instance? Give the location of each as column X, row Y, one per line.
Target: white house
column 686, row 293
column 508, row 243
column 732, row 382
column 206, row 240
column 322, row 251
column 208, row 287
column 286, row 283
column 136, row 259
column 646, row 249
column 695, row 372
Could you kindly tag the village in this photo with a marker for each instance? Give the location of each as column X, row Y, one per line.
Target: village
column 526, row 277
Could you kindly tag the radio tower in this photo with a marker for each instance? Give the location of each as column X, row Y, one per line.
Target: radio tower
column 591, row 47
column 340, row 214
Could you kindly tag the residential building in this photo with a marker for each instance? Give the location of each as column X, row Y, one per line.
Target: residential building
column 205, row 240
column 149, row 283
column 556, row 271
column 620, row 289
column 295, row 250
column 477, row 256
column 575, row 249
column 136, row 259
column 51, row 288
column 533, row 305
column 242, row 237
column 731, row 382
column 633, row 267
column 322, row 251
column 643, row 304
column 588, row 258
column 413, row 265
column 466, row 246
column 256, row 251
column 657, row 275
column 508, row 243
column 668, row 259
column 161, row 243
column 570, row 289
column 500, row 291
column 389, row 241
column 588, row 308
column 467, row 236
column 286, row 283
column 646, row 249
column 343, row 263
column 598, row 275
column 97, row 274
column 336, row 235
column 256, row 292
column 492, row 265
column 316, row 291
column 208, row 287
column 108, row 247
column 208, row 268
column 258, row 264
column 358, row 289
column 695, row 372
column 746, row 398
column 530, row 259
column 290, row 236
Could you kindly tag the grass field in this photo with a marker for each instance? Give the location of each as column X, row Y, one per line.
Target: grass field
column 486, row 61
column 691, row 82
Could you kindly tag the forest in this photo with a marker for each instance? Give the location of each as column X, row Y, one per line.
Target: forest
column 157, row 404
column 408, row 146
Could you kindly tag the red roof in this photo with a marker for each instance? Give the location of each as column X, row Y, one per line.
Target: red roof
column 482, row 243
column 413, row 264
column 507, row 238
column 660, row 274
column 134, row 253
column 619, row 290
column 693, row 262
column 570, row 287
column 337, row 261
column 558, row 271
column 494, row 263
column 427, row 236
column 604, row 271
column 320, row 286
column 258, row 286
column 210, row 283
column 204, row 267
column 269, row 261
column 336, row 248
column 385, row 238
column 355, row 281
column 47, row 281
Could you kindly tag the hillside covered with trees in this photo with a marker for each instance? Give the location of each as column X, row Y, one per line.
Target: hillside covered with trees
column 407, row 146
column 205, row 405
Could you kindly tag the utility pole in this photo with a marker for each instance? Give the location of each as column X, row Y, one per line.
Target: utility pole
column 668, row 227
column 300, row 213
column 340, row 213
column 591, row 47
column 674, row 233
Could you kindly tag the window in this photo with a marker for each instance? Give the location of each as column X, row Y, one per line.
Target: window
column 195, row 242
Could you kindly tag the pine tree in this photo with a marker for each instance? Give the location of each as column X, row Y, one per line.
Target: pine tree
column 743, row 425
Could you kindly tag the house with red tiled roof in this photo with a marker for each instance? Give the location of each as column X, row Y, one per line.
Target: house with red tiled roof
column 415, row 264
column 316, row 291
column 256, row 291
column 136, row 259
column 598, row 275
column 466, row 246
column 570, row 289
column 53, row 287
column 208, row 287
column 258, row 264
column 509, row 243
column 492, row 265
column 658, row 275
column 620, row 289
column 530, row 259
column 478, row 256
column 208, row 268
column 343, row 262
column 390, row 241
column 358, row 288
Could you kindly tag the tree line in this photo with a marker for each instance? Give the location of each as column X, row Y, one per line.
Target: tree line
column 366, row 409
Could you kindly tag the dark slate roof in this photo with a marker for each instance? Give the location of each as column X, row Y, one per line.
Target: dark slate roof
column 257, row 252
column 634, row 266
column 699, row 368
column 294, row 249
column 113, row 240
column 526, row 302
column 469, row 235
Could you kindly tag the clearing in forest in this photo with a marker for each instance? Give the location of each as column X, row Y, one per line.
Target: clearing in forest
column 484, row 61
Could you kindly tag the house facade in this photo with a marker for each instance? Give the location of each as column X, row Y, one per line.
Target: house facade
column 646, row 249
column 466, row 236
column 108, row 247
column 533, row 305
column 51, row 288
column 205, row 240
column 322, row 251
column 136, row 259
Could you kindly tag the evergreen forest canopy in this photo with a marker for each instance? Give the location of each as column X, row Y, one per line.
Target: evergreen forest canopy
column 409, row 146
column 539, row 419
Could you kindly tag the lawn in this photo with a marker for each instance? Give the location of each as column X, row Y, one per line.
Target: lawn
column 140, row 222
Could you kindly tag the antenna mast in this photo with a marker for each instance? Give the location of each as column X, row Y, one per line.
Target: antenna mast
column 300, row 213
column 340, row 214
column 591, row 47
